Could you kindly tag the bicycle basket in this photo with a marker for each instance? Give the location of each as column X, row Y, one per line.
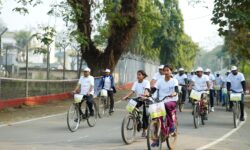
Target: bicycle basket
column 78, row 98
column 157, row 110
column 104, row 93
column 131, row 105
column 195, row 95
column 235, row 97
column 217, row 87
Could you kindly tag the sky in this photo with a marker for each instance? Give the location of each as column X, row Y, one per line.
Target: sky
column 197, row 22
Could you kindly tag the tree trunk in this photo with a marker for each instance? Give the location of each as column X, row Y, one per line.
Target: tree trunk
column 120, row 35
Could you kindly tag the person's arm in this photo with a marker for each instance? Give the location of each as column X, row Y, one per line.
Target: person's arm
column 243, row 83
column 186, row 81
column 77, row 88
column 208, row 85
column 228, row 86
column 128, row 95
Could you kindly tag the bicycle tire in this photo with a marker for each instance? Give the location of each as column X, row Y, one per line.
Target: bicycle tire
column 235, row 115
column 150, row 130
column 171, row 139
column 180, row 104
column 125, row 126
column 91, row 120
column 76, row 120
column 102, row 107
column 196, row 116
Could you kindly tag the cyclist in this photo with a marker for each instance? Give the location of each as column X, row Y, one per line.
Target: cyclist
column 107, row 83
column 211, row 91
column 86, row 86
column 236, row 83
column 157, row 76
column 219, row 83
column 183, row 81
column 200, row 82
column 141, row 88
column 168, row 86
column 224, row 88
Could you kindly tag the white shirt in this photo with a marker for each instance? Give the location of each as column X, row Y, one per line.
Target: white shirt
column 166, row 88
column 200, row 83
column 235, row 81
column 158, row 76
column 211, row 80
column 218, row 80
column 107, row 83
column 86, row 83
column 139, row 88
column 181, row 79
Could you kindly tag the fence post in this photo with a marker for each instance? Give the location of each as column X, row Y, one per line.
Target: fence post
column 27, row 88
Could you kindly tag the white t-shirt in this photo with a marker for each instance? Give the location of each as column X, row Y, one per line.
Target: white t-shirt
column 166, row 88
column 181, row 79
column 107, row 83
column 158, row 76
column 235, row 81
column 139, row 88
column 211, row 80
column 200, row 83
column 218, row 80
column 86, row 83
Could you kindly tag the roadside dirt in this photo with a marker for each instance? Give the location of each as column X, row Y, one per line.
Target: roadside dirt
column 24, row 112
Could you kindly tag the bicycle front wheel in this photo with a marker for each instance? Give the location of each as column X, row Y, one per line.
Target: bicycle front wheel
column 73, row 118
column 154, row 138
column 91, row 118
column 171, row 139
column 128, row 129
column 196, row 116
column 102, row 110
column 180, row 103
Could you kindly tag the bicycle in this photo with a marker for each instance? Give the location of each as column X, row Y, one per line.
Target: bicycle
column 131, row 122
column 235, row 98
column 226, row 98
column 199, row 109
column 159, row 126
column 75, row 115
column 217, row 89
column 180, row 104
column 103, row 104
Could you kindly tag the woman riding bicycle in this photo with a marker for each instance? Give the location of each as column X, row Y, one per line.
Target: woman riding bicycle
column 168, row 87
column 141, row 88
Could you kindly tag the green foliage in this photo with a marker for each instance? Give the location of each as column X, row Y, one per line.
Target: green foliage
column 22, row 37
column 24, row 4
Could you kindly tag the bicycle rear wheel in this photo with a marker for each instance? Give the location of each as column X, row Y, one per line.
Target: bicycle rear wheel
column 171, row 139
column 91, row 119
column 154, row 138
column 235, row 114
column 73, row 117
column 102, row 107
column 128, row 129
column 196, row 116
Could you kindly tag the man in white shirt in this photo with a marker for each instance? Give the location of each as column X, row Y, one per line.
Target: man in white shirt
column 182, row 80
column 86, row 86
column 237, row 84
column 218, row 84
column 157, row 76
column 211, row 91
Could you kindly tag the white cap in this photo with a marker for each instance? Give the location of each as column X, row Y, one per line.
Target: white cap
column 161, row 67
column 107, row 70
column 234, row 68
column 199, row 69
column 181, row 69
column 208, row 70
column 228, row 71
column 192, row 70
column 87, row 69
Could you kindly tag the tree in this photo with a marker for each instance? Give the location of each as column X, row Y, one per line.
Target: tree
column 22, row 37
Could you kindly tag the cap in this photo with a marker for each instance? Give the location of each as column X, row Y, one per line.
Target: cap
column 199, row 69
column 228, row 71
column 208, row 70
column 161, row 67
column 234, row 68
column 181, row 69
column 107, row 70
column 87, row 69
column 192, row 70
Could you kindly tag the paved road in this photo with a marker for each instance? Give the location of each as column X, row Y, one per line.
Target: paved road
column 52, row 134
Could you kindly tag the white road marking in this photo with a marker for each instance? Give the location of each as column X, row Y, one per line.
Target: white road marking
column 223, row 137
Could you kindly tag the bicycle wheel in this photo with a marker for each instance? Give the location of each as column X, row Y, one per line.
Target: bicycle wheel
column 102, row 107
column 196, row 115
column 154, row 138
column 73, row 117
column 171, row 139
column 128, row 129
column 180, row 104
column 91, row 119
column 235, row 115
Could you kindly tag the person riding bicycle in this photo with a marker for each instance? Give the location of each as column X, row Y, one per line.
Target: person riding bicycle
column 219, row 83
column 142, row 89
column 107, row 83
column 200, row 82
column 211, row 91
column 183, row 81
column 168, row 87
column 86, row 86
column 236, row 83
column 157, row 76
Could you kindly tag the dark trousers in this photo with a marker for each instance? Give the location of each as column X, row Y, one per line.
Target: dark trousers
column 184, row 93
column 89, row 99
column 111, row 97
column 144, row 115
column 211, row 96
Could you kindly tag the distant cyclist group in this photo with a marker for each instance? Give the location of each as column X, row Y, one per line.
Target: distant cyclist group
column 158, row 99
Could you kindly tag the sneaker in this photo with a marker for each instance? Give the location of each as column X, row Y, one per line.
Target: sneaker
column 143, row 134
column 155, row 143
column 172, row 130
column 212, row 109
column 111, row 111
column 92, row 113
column 242, row 119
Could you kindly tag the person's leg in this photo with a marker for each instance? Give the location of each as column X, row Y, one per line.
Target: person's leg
column 144, row 120
column 170, row 107
column 211, row 94
column 242, row 108
column 90, row 104
column 184, row 93
column 111, row 97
